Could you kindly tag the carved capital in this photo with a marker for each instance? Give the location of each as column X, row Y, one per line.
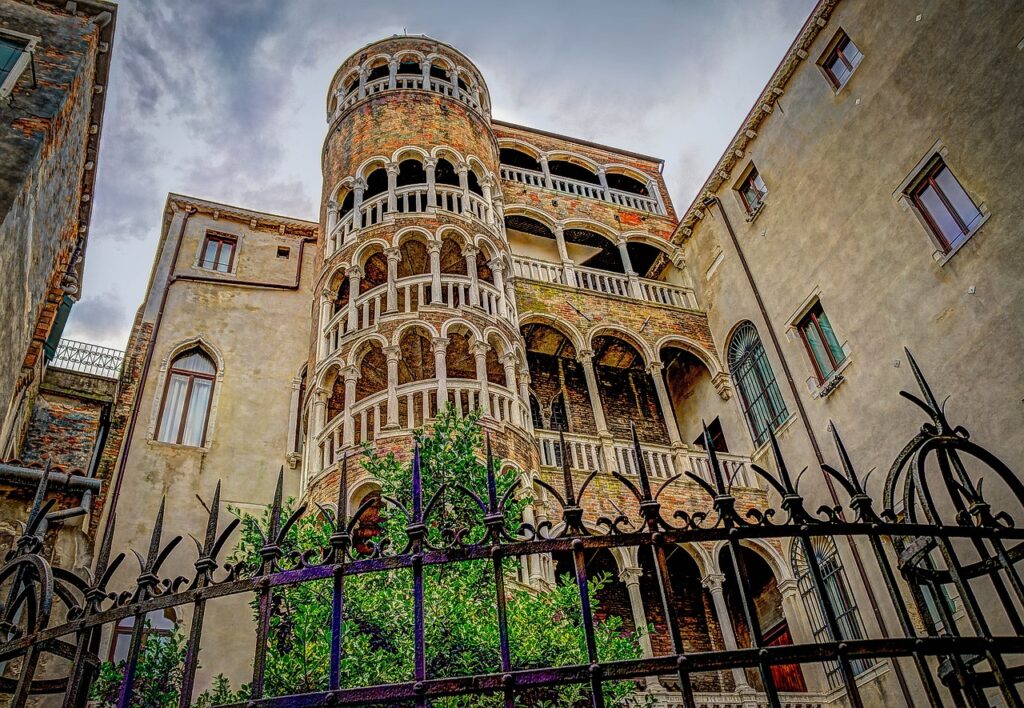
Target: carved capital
column 655, row 368
column 481, row 348
column 393, row 353
column 722, row 384
column 354, row 272
column 470, row 251
column 462, row 168
column 392, row 169
column 429, row 163
column 358, row 184
column 713, row 581
column 351, row 374
column 440, row 344
column 585, row 356
column 393, row 254
column 631, row 576
column 433, row 246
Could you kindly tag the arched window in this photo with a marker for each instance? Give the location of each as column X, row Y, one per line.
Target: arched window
column 186, row 406
column 559, row 417
column 159, row 626
column 538, row 419
column 759, row 393
column 837, row 591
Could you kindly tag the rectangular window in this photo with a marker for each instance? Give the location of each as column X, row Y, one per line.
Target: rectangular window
column 753, row 191
column 841, row 60
column 218, row 253
column 15, row 54
column 951, row 214
column 822, row 345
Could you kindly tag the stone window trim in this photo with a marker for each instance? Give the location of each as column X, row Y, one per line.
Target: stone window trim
column 839, row 47
column 182, row 346
column 941, row 254
column 750, row 211
column 30, row 42
column 224, row 237
column 817, row 385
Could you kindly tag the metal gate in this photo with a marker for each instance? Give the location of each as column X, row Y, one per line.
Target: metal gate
column 934, row 530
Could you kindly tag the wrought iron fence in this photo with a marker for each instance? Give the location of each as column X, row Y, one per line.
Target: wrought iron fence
column 49, row 611
column 88, row 358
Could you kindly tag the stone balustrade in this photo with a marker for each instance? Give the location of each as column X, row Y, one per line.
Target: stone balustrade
column 579, row 188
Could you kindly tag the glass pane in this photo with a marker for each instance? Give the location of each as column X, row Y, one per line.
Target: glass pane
column 196, row 361
column 817, row 348
column 195, row 421
column 210, row 256
column 851, row 53
column 758, row 183
column 830, row 337
column 173, row 404
column 838, row 69
column 949, row 230
column 224, row 261
column 161, row 619
column 10, row 52
column 122, row 643
column 956, row 196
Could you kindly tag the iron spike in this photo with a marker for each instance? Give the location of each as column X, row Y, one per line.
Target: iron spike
column 844, row 459
column 716, row 468
column 781, row 463
column 154, row 540
column 492, row 482
column 641, row 465
column 275, row 512
column 40, row 495
column 211, row 524
column 341, row 516
column 926, row 390
column 417, row 486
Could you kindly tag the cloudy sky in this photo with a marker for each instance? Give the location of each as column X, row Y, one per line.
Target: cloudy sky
column 224, row 99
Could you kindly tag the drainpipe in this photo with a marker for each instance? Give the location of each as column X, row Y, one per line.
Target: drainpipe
column 28, row 477
column 858, row 561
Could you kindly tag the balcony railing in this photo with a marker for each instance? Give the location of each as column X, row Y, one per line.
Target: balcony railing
column 409, row 81
column 587, row 190
column 605, row 282
column 88, row 359
column 585, row 453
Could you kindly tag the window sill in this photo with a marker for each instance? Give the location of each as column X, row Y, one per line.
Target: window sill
column 177, row 446
column 752, row 215
column 942, row 258
column 827, row 387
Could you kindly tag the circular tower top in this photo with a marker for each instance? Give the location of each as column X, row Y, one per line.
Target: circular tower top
column 406, row 62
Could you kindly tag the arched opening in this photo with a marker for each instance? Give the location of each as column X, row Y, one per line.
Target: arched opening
column 410, row 172
column 376, row 184
column 612, row 600
column 764, row 589
column 336, row 402
column 409, row 65
column 535, row 414
column 695, row 399
column 554, row 372
column 188, row 395
column 518, row 158
column 160, row 626
column 452, row 260
column 625, row 183
column 592, row 250
column 375, row 270
column 438, row 72
column 693, row 610
column 444, row 173
column 344, row 292
column 415, row 258
column 417, row 356
column 570, row 170
column 474, row 183
column 347, row 203
column 353, row 84
column 559, row 416
column 752, row 373
column 495, row 369
column 484, row 274
column 378, row 72
column 373, row 370
column 369, row 525
column 627, row 390
column 458, row 356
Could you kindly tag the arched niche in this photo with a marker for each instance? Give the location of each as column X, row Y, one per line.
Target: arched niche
column 627, row 390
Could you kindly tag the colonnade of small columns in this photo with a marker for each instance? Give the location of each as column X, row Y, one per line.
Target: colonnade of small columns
column 602, row 178
column 426, row 64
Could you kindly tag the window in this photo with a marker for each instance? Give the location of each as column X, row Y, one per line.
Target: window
column 840, row 61
column 160, row 624
column 218, row 253
column 535, row 416
column 283, row 251
column 717, row 437
column 15, row 54
column 753, row 191
column 950, row 213
column 837, row 593
column 759, row 393
column 186, row 405
column 559, row 417
column 822, row 346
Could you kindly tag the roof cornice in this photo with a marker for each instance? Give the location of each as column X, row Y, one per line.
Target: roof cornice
column 747, row 133
column 284, row 224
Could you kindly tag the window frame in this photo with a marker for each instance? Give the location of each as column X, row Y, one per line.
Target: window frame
column 810, row 316
column 28, row 50
column 147, row 632
column 221, row 239
column 926, row 178
column 749, row 175
column 191, row 376
column 835, row 49
column 742, row 369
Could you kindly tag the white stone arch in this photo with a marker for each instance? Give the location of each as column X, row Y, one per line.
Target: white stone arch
column 396, row 336
column 768, row 553
column 409, row 152
column 336, row 274
column 573, row 157
column 359, row 348
column 537, row 215
column 593, row 226
column 365, row 249
column 625, row 334
column 460, row 322
column 505, row 345
column 360, row 490
column 521, row 146
column 488, row 246
column 620, row 169
column 457, row 233
column 677, row 341
column 202, row 342
column 375, row 61
column 436, row 59
column 402, row 53
column 477, row 166
column 565, row 328
column 330, row 373
column 411, row 233
column 653, row 241
column 371, row 164
column 341, row 190
column 448, row 153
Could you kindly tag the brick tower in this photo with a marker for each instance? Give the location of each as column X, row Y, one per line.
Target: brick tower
column 413, row 303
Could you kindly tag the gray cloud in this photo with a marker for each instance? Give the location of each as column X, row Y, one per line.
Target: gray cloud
column 225, row 100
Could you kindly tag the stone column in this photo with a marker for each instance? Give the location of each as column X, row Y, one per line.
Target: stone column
column 392, row 170
column 325, row 316
column 441, row 370
column 498, row 203
column 463, row 170
column 586, row 358
column 568, row 270
column 602, row 177
column 429, row 164
column 485, row 187
column 547, row 173
column 332, row 218
column 426, row 74
column 510, row 299
column 320, row 396
column 394, row 256
column 498, row 268
column 524, row 395
column 631, row 577
column 434, row 249
column 634, row 279
column 668, row 414
column 533, row 571
column 357, row 202
column 354, row 274
column 363, row 73
column 714, row 583
column 393, row 73
column 469, row 253
column 351, row 376
column 480, row 352
column 393, row 354
column 509, row 362
column 652, row 189
column 800, row 630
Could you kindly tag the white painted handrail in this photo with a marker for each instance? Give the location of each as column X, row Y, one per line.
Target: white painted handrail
column 602, row 281
column 537, row 269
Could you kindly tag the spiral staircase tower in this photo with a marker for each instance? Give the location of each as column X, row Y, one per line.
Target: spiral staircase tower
column 414, row 304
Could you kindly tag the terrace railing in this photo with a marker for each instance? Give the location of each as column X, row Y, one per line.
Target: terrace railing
column 87, row 358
